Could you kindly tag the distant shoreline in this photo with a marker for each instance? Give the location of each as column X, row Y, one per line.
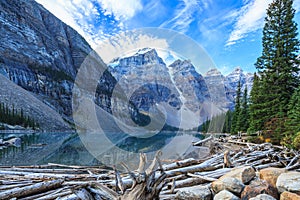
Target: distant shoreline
column 36, row 131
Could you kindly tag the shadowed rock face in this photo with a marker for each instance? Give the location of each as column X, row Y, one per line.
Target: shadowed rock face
column 39, row 52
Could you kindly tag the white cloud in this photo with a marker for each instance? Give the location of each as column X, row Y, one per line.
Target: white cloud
column 82, row 15
column 206, row 3
column 127, row 42
column 250, row 19
column 184, row 15
column 121, row 9
column 78, row 14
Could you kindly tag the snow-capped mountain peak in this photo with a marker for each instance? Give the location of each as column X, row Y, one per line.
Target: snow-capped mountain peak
column 213, row 72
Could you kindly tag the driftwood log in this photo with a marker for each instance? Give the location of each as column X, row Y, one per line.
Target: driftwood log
column 158, row 181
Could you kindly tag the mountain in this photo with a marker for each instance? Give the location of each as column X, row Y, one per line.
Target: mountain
column 42, row 55
column 187, row 97
column 39, row 52
column 230, row 82
column 148, row 81
column 145, row 79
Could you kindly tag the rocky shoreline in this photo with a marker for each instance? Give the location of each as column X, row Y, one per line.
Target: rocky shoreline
column 245, row 183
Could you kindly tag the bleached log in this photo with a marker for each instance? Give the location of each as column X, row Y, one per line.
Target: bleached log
column 293, row 167
column 277, row 164
column 215, row 173
column 142, row 164
column 205, row 166
column 56, row 171
column 53, row 196
column 69, row 197
column 206, row 178
column 154, row 163
column 38, row 175
column 83, row 194
column 181, row 163
column 293, row 161
column 259, row 162
column 237, row 155
column 188, row 182
column 29, row 190
column 76, row 183
column 178, row 177
column 167, row 196
column 199, row 143
column 105, row 191
column 173, row 186
column 255, row 158
column 119, row 182
column 7, row 187
column 16, row 181
column 49, row 195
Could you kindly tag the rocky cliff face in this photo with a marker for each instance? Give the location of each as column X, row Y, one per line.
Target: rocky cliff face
column 230, row 82
column 179, row 85
column 39, row 52
column 185, row 88
column 191, row 84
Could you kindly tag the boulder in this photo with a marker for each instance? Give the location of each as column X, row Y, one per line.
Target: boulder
column 225, row 195
column 271, row 175
column 194, row 193
column 257, row 187
column 244, row 174
column 231, row 184
column 289, row 181
column 263, row 197
column 289, row 196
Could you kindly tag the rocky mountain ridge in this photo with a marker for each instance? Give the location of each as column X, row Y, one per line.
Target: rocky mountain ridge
column 179, row 70
column 191, row 95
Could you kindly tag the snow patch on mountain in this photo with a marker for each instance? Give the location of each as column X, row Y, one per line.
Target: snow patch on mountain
column 168, row 56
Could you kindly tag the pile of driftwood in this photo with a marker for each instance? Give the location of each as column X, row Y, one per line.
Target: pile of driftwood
column 158, row 181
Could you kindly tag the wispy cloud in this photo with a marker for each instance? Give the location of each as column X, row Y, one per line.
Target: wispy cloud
column 207, row 3
column 184, row 15
column 126, row 42
column 250, row 18
column 79, row 14
column 94, row 20
column 121, row 9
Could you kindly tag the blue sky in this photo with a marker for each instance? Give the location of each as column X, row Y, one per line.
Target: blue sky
column 230, row 31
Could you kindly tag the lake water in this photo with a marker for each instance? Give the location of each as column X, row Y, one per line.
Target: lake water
column 68, row 148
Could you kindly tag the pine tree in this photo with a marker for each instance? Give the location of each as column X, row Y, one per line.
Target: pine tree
column 235, row 126
column 256, row 122
column 227, row 123
column 277, row 67
column 244, row 112
column 292, row 123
